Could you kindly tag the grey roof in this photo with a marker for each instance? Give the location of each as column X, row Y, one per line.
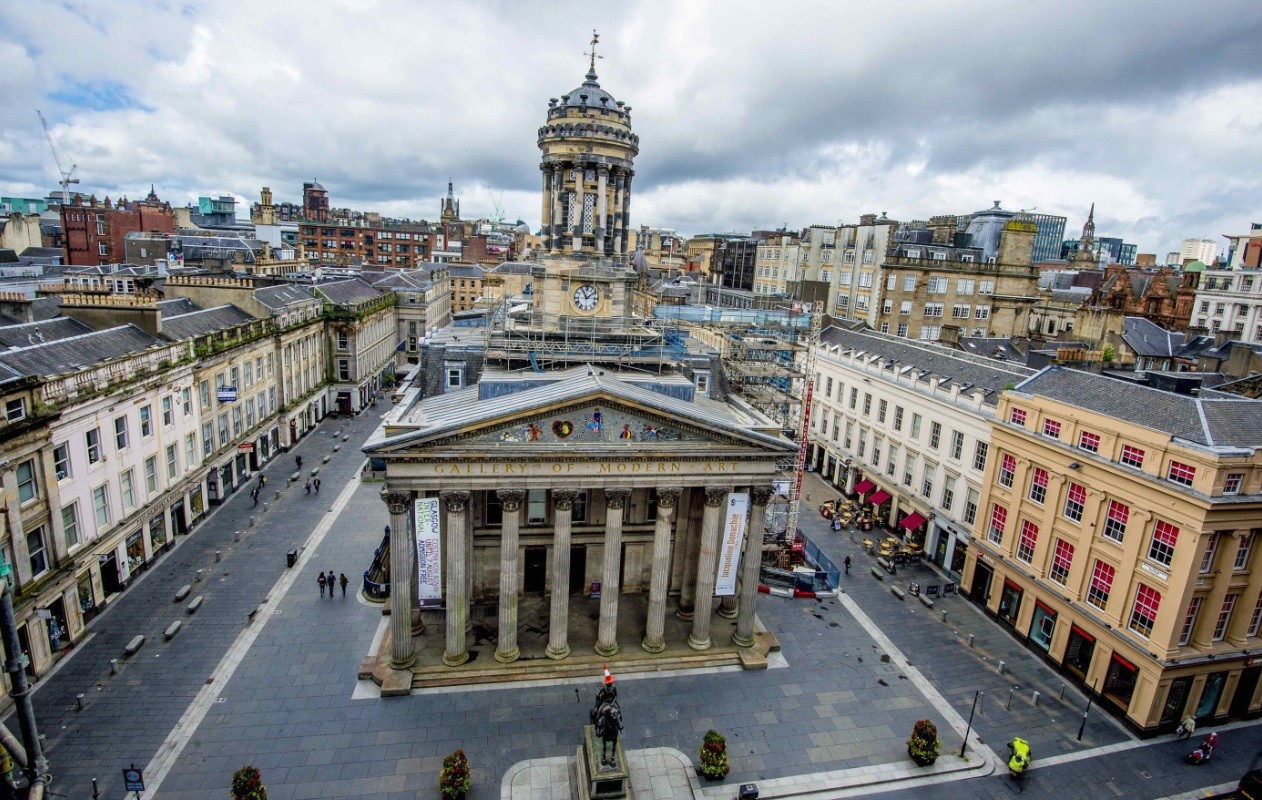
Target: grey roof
column 465, row 270
column 411, row 280
column 354, row 290
column 967, row 372
column 589, row 94
column 998, row 348
column 202, row 322
column 513, row 267
column 78, row 352
column 282, row 295
column 1149, row 339
column 177, row 306
column 1207, row 421
column 49, row 330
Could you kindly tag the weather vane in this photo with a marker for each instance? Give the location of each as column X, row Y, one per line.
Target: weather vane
column 595, row 41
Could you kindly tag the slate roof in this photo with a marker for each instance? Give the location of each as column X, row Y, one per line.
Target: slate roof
column 282, row 295
column 177, row 306
column 1206, row 421
column 967, row 372
column 77, row 352
column 513, row 267
column 465, row 271
column 50, row 330
column 202, row 322
column 355, row 290
column 996, row 347
column 409, row 280
column 1150, row 340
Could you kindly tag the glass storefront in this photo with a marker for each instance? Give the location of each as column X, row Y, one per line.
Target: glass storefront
column 58, row 630
column 1043, row 626
column 196, row 502
column 1078, row 651
column 959, row 557
column 1210, row 694
column 1010, row 602
column 158, row 531
column 1119, row 681
column 87, row 596
column 135, row 552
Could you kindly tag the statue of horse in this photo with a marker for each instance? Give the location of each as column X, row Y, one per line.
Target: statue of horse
column 608, row 724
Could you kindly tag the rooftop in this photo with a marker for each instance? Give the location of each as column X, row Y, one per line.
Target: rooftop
column 204, row 321
column 77, row 352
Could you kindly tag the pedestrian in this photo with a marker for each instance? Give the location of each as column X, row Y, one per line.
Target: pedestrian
column 298, row 461
column 308, row 486
column 1187, row 728
column 341, row 579
column 847, row 563
column 317, row 485
column 322, row 580
column 332, row 581
column 262, row 480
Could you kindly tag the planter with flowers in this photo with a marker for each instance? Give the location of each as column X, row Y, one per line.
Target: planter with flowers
column 923, row 745
column 454, row 780
column 247, row 784
column 713, row 755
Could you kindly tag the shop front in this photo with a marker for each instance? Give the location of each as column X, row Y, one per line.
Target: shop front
column 948, row 548
column 158, row 537
column 58, row 626
column 1079, row 650
column 1010, row 602
column 1120, row 680
column 113, row 574
column 135, row 548
column 88, row 607
column 914, row 524
column 1042, row 626
column 880, row 502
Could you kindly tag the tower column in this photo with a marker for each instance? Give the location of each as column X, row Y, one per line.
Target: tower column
column 618, row 233
column 751, row 564
column 576, row 211
column 602, row 207
column 611, row 585
column 654, row 633
column 545, row 224
column 626, row 213
column 457, row 503
column 506, row 645
column 558, row 223
column 402, row 654
column 559, row 618
column 707, row 558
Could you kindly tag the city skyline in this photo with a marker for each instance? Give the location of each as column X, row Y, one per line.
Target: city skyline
column 746, row 121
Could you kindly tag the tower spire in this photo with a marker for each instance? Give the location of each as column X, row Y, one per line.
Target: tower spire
column 1088, row 229
column 591, row 69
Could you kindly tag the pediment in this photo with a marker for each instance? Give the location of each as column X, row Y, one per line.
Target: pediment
column 591, row 423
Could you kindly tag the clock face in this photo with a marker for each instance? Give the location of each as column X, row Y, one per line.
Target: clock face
column 586, row 297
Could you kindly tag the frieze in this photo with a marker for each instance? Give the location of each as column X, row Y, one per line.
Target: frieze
column 582, row 468
column 587, row 425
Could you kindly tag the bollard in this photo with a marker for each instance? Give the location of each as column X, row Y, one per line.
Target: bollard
column 277, row 496
column 236, row 537
column 199, row 574
column 1062, row 692
column 1002, row 667
column 944, row 615
column 1011, row 692
column 970, row 640
column 1034, row 700
column 78, row 701
column 113, row 666
column 264, row 508
column 218, row 556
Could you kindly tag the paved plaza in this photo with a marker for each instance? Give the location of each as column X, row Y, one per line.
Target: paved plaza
column 278, row 689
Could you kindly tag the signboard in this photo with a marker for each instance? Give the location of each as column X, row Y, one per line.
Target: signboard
column 949, row 589
column 133, row 780
column 429, row 561
column 733, row 538
column 245, row 447
column 595, row 590
column 226, row 394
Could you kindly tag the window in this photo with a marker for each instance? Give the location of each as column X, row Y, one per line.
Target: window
column 935, row 435
column 891, row 464
column 961, row 311
column 898, row 418
column 948, row 494
column 998, row 519
column 1144, row 613
column 1181, row 473
column 1211, row 546
column 146, row 422
column 236, row 421
column 981, row 312
column 854, row 398
column 1051, row 428
column 343, row 369
column 1075, row 500
column 203, row 394
column 1007, row 470
column 128, row 489
column 888, row 306
column 1189, row 620
column 863, row 445
column 970, row 507
column 151, row 474
column 1132, row 456
column 1038, row 486
column 909, row 283
column 1164, row 535
column 223, row 429
column 70, row 525
column 1017, row 416
column 1242, row 552
column 828, row 386
column 876, row 452
column 173, row 462
column 1026, row 541
column 926, row 486
column 1062, row 561
column 1101, row 584
column 1115, row 520
column 915, row 426
column 1089, row 441
column 1224, row 617
column 902, row 330
column 1233, row 482
column 186, row 400
column 93, row 438
column 15, row 410
column 1256, row 619
column 881, row 408
column 963, row 286
column 985, row 287
column 904, row 310
column 35, row 547
column 168, row 415
column 120, row 433
column 102, row 248
column 101, row 505
column 933, row 309
column 979, row 456
column 957, row 445
column 61, row 460
column 27, row 490
column 190, row 449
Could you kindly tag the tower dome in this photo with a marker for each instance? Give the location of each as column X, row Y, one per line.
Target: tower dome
column 588, row 151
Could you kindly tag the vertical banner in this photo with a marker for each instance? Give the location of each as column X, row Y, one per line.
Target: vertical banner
column 733, row 538
column 429, row 560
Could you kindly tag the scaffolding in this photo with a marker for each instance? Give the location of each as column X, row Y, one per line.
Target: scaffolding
column 519, row 333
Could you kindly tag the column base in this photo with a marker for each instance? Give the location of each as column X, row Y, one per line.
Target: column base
column 455, row 660
column 731, row 613
column 557, row 655
column 742, row 641
column 698, row 644
column 606, row 650
column 418, row 625
column 507, row 656
column 653, row 647
column 405, row 664
column 683, row 613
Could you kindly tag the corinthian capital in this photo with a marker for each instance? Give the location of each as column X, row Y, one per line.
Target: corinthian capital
column 617, row 498
column 668, row 498
column 396, row 502
column 762, row 495
column 455, row 500
column 563, row 499
column 511, row 498
column 715, row 495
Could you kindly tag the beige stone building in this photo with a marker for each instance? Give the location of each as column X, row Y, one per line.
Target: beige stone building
column 1118, row 537
column 777, row 264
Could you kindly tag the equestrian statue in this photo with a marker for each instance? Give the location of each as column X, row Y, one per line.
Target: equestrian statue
column 606, row 718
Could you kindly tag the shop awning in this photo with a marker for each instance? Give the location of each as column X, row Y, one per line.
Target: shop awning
column 912, row 521
column 878, row 497
column 864, row 486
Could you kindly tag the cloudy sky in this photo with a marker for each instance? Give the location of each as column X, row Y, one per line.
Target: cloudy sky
column 749, row 114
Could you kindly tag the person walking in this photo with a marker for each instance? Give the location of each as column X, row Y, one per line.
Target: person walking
column 341, row 580
column 298, row 461
column 262, row 480
column 317, row 485
column 1187, row 728
column 322, row 580
column 308, row 486
column 332, row 581
column 847, row 563
column 254, row 493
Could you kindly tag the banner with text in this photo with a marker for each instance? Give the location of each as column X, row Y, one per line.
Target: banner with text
column 429, row 560
column 733, row 538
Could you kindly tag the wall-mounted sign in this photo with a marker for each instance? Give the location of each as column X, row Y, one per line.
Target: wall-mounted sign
column 733, row 538
column 226, row 394
column 429, row 562
column 245, row 447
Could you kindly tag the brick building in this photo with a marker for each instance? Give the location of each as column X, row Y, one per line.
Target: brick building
column 94, row 233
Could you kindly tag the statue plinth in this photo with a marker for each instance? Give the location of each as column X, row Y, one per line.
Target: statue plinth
column 594, row 780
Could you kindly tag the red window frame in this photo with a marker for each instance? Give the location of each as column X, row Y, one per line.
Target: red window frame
column 1132, row 456
column 1062, row 561
column 1027, row 541
column 1115, row 519
column 1007, row 470
column 1075, row 500
column 1181, row 473
column 1164, row 537
column 1144, row 610
column 1089, row 441
column 1101, row 584
column 1017, row 416
column 998, row 521
column 1038, row 485
column 1051, row 428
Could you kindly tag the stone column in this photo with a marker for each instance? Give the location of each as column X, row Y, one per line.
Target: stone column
column 470, row 563
column 545, row 225
column 506, row 644
column 576, row 229
column 618, row 233
column 559, row 618
column 687, row 540
column 655, row 630
column 1238, row 627
column 707, row 559
column 626, row 212
column 611, row 581
column 602, row 207
column 751, row 564
column 402, row 654
column 457, row 503
column 850, row 471
column 558, row 223
column 1220, row 573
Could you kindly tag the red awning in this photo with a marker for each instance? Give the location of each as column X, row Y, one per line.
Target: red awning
column 912, row 521
column 864, row 486
column 878, row 497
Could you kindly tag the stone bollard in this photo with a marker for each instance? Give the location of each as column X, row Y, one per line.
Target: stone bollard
column 326, row 459
column 265, row 507
column 346, row 438
column 218, row 556
column 236, row 537
column 970, row 640
column 944, row 615
column 277, row 495
column 199, row 575
column 113, row 666
column 1002, row 667
column 1034, row 700
column 78, row 702
column 1062, row 691
column 336, row 447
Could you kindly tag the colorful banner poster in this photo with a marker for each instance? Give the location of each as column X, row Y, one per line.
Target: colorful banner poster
column 733, row 538
column 429, row 558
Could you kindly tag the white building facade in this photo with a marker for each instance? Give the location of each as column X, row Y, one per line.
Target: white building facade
column 1230, row 300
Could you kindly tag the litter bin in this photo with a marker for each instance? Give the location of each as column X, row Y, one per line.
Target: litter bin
column 291, row 557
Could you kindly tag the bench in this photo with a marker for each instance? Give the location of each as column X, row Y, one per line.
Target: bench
column 183, row 592
column 134, row 645
column 876, row 573
column 296, row 476
column 898, row 592
column 196, row 604
column 927, row 602
column 886, row 564
column 172, row 629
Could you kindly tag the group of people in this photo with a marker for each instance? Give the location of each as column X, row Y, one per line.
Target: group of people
column 258, row 488
column 332, row 581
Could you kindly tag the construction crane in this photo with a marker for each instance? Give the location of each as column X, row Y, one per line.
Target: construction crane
column 498, row 219
column 804, row 426
column 67, row 176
